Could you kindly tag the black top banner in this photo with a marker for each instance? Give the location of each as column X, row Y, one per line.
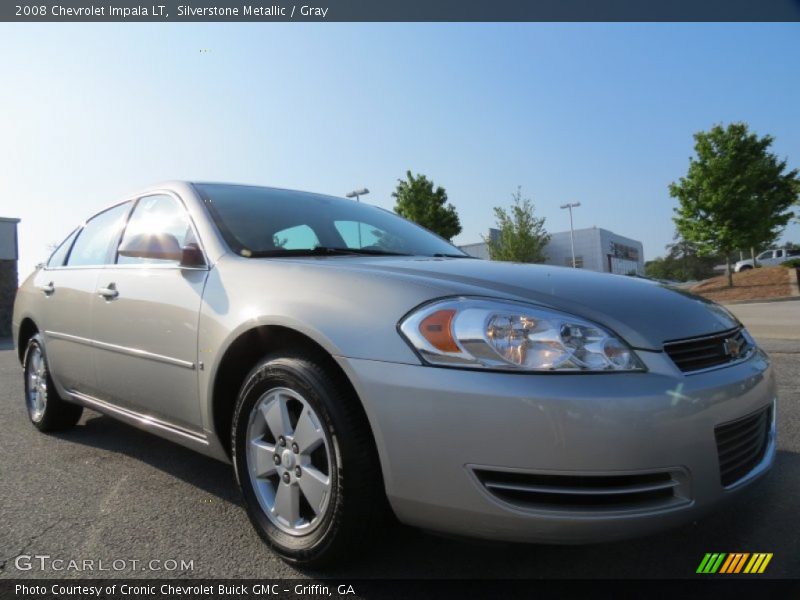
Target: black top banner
column 401, row 10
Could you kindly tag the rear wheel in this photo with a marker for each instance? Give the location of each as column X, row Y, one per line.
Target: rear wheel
column 305, row 462
column 46, row 409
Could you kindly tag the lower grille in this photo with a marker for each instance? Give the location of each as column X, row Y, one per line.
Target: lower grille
column 705, row 352
column 741, row 444
column 582, row 492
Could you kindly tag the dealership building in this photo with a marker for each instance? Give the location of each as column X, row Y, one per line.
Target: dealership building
column 8, row 272
column 596, row 249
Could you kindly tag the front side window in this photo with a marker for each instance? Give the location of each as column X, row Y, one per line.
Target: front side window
column 258, row 222
column 161, row 218
column 765, row 255
column 60, row 254
column 94, row 241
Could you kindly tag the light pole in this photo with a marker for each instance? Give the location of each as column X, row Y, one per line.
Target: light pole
column 571, row 230
column 355, row 194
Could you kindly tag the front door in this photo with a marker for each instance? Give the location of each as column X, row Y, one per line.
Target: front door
column 146, row 314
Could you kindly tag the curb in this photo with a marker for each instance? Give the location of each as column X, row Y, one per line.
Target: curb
column 762, row 301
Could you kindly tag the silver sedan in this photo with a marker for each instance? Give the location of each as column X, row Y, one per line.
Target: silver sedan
column 350, row 364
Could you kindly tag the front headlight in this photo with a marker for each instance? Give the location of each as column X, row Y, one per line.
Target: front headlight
column 497, row 334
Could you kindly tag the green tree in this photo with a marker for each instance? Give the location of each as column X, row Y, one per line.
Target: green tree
column 522, row 236
column 683, row 262
column 658, row 268
column 736, row 193
column 417, row 201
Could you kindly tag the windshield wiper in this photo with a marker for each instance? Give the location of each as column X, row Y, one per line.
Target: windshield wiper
column 446, row 255
column 325, row 251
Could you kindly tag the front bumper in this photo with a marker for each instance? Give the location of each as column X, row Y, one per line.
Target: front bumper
column 434, row 427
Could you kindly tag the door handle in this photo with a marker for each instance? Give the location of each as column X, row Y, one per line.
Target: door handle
column 109, row 292
column 48, row 289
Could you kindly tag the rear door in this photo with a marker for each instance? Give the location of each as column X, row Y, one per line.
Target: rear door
column 146, row 313
column 68, row 284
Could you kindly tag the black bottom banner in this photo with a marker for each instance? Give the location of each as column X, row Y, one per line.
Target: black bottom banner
column 292, row 589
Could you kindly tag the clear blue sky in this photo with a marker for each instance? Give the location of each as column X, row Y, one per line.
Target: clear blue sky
column 602, row 114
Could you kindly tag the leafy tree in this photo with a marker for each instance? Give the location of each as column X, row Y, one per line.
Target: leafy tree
column 522, row 236
column 658, row 268
column 683, row 262
column 417, row 201
column 736, row 193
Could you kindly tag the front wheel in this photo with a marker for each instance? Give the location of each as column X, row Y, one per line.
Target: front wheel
column 46, row 409
column 305, row 461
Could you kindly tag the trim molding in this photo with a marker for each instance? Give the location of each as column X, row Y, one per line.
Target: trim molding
column 176, row 362
column 143, row 420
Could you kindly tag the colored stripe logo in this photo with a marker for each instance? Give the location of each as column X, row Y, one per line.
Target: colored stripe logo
column 734, row 562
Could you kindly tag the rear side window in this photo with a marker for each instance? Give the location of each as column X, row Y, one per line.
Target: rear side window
column 94, row 241
column 58, row 257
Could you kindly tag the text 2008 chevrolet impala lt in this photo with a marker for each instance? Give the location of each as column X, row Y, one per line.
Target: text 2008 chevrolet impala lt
column 340, row 356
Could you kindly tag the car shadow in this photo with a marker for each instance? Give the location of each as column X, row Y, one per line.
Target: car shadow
column 203, row 472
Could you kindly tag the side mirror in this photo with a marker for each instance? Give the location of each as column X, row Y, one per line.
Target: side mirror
column 158, row 246
column 192, row 256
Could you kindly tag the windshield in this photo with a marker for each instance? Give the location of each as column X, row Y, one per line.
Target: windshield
column 259, row 221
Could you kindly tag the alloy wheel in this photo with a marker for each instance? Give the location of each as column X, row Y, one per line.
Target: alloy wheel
column 289, row 461
column 36, row 374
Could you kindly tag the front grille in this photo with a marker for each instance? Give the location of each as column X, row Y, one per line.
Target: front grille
column 709, row 351
column 741, row 445
column 581, row 492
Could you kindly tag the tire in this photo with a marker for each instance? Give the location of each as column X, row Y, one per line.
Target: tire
column 328, row 524
column 46, row 409
column 745, row 268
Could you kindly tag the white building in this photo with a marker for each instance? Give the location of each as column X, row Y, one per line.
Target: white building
column 595, row 249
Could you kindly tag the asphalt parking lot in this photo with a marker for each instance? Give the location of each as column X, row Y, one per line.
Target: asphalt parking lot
column 106, row 491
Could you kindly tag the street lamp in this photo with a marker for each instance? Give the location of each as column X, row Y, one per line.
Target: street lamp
column 355, row 194
column 571, row 230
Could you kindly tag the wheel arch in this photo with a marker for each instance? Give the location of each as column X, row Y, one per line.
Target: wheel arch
column 27, row 329
column 242, row 354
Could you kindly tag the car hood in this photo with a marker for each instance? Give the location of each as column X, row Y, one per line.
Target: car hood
column 643, row 312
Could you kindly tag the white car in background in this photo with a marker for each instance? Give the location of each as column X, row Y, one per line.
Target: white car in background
column 767, row 258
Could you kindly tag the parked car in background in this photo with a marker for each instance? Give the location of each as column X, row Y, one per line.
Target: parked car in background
column 340, row 356
column 768, row 258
